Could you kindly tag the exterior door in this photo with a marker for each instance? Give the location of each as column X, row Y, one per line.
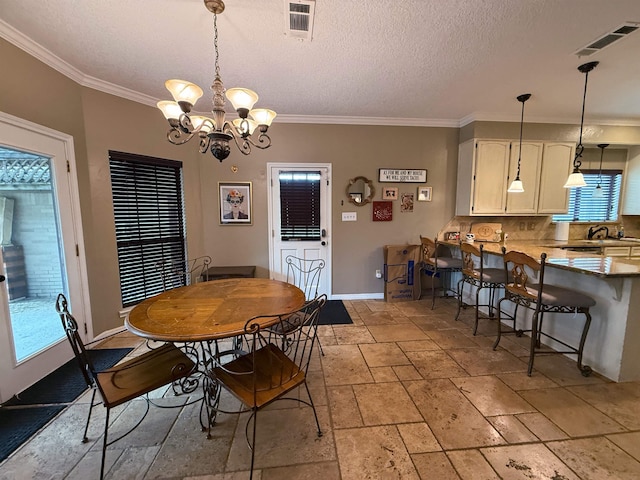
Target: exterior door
column 309, row 238
column 40, row 254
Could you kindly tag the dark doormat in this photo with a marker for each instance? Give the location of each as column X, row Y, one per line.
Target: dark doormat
column 18, row 424
column 66, row 383
column 334, row 313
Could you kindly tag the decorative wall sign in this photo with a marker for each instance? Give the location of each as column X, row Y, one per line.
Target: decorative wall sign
column 394, row 175
column 382, row 211
column 424, row 194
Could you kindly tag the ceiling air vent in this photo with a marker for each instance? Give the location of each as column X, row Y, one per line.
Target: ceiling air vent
column 299, row 18
column 608, row 38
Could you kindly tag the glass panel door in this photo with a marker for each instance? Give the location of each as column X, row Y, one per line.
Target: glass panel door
column 31, row 251
column 41, row 252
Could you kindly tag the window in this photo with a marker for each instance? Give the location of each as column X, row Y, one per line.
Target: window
column 584, row 207
column 149, row 220
column 300, row 205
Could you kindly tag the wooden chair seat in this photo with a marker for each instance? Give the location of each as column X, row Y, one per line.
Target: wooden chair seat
column 143, row 374
column 275, row 375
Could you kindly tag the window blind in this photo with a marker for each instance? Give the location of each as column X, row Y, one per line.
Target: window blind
column 149, row 221
column 584, row 207
column 300, row 205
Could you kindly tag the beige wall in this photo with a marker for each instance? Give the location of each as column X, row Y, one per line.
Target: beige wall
column 352, row 151
column 100, row 122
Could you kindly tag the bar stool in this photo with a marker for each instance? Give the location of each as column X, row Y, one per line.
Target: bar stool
column 542, row 298
column 480, row 278
column 435, row 264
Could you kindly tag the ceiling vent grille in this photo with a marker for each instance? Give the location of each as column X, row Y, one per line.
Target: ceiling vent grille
column 299, row 16
column 608, row 38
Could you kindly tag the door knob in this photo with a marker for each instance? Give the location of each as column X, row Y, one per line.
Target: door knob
column 323, row 243
column 2, row 278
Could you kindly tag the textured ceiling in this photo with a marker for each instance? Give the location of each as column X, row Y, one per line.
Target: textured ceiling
column 404, row 62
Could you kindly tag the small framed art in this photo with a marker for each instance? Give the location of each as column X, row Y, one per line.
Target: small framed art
column 424, row 194
column 406, row 205
column 382, row 211
column 389, row 193
column 235, row 203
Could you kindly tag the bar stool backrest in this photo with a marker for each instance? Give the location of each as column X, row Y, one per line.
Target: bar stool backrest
column 516, row 265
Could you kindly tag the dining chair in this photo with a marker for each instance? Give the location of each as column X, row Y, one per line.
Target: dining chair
column 542, row 298
column 477, row 276
column 276, row 363
column 187, row 272
column 126, row 381
column 435, row 264
column 305, row 274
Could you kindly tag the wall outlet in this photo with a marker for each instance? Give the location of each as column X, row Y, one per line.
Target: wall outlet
column 349, row 216
column 531, row 226
column 522, row 226
column 378, row 274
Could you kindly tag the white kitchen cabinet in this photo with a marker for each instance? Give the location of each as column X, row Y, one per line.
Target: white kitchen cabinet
column 635, row 252
column 525, row 203
column 631, row 199
column 487, row 167
column 557, row 164
column 482, row 177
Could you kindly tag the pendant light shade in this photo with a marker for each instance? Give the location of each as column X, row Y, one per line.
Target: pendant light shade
column 517, row 186
column 576, row 179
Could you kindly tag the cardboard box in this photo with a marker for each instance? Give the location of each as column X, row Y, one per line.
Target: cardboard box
column 401, row 273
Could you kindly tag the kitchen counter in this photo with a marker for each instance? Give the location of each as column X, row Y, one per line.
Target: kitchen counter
column 613, row 281
column 561, row 255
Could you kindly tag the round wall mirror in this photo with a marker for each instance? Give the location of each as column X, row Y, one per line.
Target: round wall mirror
column 360, row 191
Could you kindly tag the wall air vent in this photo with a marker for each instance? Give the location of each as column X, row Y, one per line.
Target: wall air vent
column 608, row 38
column 299, row 16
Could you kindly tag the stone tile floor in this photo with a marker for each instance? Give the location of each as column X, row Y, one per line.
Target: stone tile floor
column 405, row 392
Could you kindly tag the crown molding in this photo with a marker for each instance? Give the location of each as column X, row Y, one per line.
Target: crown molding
column 39, row 52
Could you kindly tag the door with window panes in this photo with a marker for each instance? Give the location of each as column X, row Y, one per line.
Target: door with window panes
column 299, row 217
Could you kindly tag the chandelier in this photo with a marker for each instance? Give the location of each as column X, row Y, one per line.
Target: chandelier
column 216, row 133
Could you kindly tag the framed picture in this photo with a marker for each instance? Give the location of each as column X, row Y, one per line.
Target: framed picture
column 382, row 211
column 389, row 193
column 406, row 205
column 424, row 194
column 235, row 203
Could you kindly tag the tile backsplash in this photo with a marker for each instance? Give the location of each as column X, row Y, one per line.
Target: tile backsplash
column 540, row 228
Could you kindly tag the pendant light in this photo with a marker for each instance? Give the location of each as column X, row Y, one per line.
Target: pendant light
column 516, row 186
column 598, row 193
column 576, row 179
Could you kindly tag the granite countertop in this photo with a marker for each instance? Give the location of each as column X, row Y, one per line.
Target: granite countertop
column 559, row 256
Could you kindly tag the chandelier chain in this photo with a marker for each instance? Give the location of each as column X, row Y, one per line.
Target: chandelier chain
column 215, row 42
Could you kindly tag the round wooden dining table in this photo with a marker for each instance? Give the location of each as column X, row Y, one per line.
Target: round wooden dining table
column 213, row 310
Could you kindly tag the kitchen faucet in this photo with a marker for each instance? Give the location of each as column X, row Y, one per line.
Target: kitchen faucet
column 595, row 229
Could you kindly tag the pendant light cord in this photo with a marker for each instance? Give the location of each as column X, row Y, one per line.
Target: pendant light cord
column 521, row 98
column 520, row 144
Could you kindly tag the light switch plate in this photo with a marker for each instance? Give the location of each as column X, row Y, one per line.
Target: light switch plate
column 349, row 216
